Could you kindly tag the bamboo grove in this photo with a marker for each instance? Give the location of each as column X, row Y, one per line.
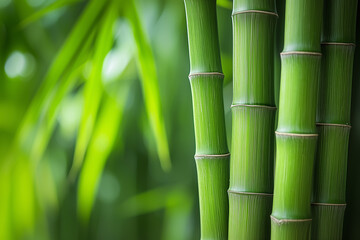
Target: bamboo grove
column 288, row 182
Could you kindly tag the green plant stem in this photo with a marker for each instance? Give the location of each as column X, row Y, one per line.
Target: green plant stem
column 206, row 79
column 253, row 114
column 296, row 134
column 333, row 118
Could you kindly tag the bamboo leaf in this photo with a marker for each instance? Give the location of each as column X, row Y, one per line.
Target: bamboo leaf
column 46, row 124
column 150, row 85
column 46, row 10
column 93, row 89
column 155, row 199
column 46, row 187
column 23, row 199
column 145, row 202
column 61, row 65
column 100, row 146
column 5, row 203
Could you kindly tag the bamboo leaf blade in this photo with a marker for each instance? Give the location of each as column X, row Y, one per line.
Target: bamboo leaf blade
column 5, row 203
column 106, row 130
column 23, row 205
column 62, row 62
column 150, row 85
column 46, row 10
column 45, row 125
column 30, row 161
column 93, row 89
column 100, row 146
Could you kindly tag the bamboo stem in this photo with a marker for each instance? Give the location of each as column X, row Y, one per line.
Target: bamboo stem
column 212, row 155
column 253, row 114
column 333, row 118
column 296, row 134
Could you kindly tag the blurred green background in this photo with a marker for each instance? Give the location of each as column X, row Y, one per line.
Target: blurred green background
column 96, row 129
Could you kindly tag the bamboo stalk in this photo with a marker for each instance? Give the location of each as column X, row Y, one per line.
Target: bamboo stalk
column 279, row 45
column 253, row 114
column 296, row 133
column 212, row 155
column 333, row 118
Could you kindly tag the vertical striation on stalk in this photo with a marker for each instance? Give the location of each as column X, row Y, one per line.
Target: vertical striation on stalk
column 212, row 155
column 296, row 134
column 333, row 118
column 253, row 114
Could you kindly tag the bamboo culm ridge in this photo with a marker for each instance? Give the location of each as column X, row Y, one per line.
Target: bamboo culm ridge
column 253, row 115
column 212, row 155
column 296, row 134
column 333, row 118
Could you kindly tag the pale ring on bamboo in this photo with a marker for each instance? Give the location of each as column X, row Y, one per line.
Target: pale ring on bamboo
column 216, row 74
column 284, row 221
column 250, row 193
column 339, row 44
column 253, row 106
column 304, row 135
column 315, row 54
column 212, row 156
column 330, row 204
column 255, row 11
column 334, row 125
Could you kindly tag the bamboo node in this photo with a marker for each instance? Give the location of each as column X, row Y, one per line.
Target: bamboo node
column 304, row 135
column 334, row 125
column 317, row 54
column 330, row 204
column 255, row 11
column 212, row 156
column 339, row 43
column 250, row 193
column 285, row 221
column 253, row 106
column 216, row 74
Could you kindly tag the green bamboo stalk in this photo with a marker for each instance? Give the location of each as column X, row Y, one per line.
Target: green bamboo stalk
column 333, row 118
column 296, row 134
column 253, row 114
column 279, row 45
column 212, row 155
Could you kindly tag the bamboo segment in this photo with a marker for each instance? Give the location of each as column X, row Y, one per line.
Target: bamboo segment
column 212, row 155
column 213, row 175
column 253, row 114
column 291, row 215
column 333, row 117
column 328, row 221
column 296, row 134
column 210, row 133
